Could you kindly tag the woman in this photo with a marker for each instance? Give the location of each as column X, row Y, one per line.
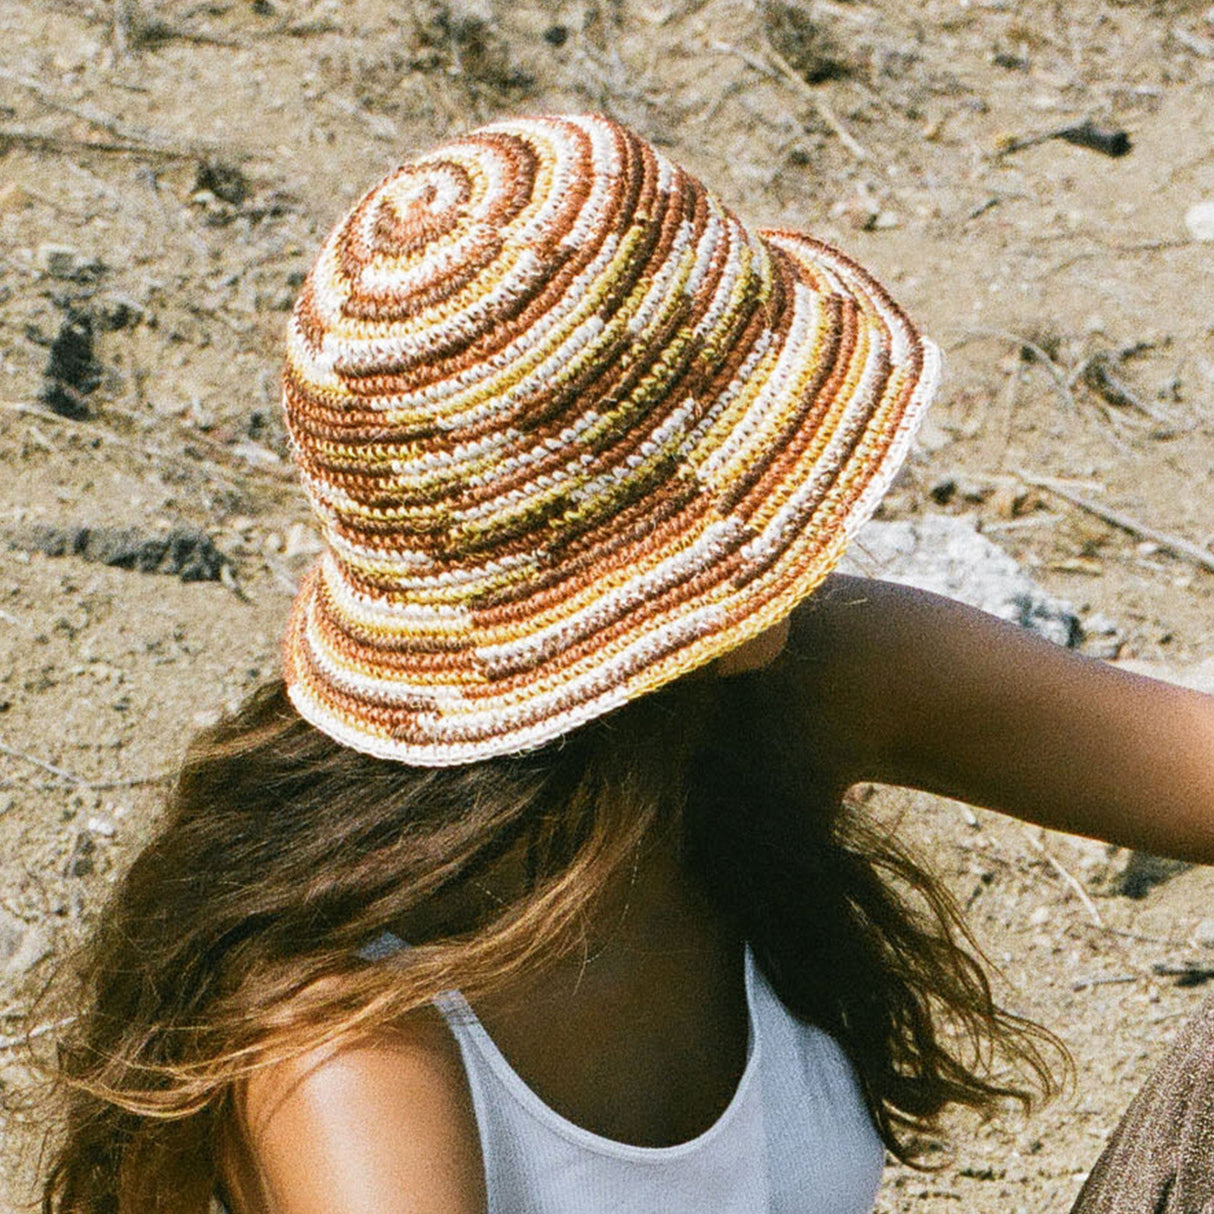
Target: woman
column 532, row 886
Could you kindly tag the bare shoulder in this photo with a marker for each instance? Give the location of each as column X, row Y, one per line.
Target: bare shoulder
column 384, row 1126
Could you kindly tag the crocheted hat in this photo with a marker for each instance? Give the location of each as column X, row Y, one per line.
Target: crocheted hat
column 571, row 430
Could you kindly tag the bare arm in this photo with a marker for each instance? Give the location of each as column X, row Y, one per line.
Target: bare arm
column 386, row 1128
column 904, row 687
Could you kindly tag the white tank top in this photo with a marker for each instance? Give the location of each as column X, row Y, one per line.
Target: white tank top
column 796, row 1138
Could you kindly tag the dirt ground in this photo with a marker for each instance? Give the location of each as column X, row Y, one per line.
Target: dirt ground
column 166, row 173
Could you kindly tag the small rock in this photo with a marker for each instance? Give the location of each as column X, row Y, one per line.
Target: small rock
column 207, row 719
column 101, row 826
column 80, row 862
column 1199, row 219
column 58, row 260
column 13, row 198
column 946, row 554
column 1099, row 624
column 958, row 486
column 1106, row 648
column 1203, row 934
column 1101, row 638
column 12, row 930
column 116, row 312
column 256, row 454
column 72, row 372
column 34, row 947
column 301, row 541
column 223, row 181
column 1011, row 61
column 184, row 552
column 859, row 214
column 934, row 435
column 201, row 416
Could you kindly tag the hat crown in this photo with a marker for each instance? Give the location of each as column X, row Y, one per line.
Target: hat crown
column 519, row 297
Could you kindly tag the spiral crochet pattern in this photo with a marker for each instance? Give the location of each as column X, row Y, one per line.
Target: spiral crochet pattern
column 571, row 430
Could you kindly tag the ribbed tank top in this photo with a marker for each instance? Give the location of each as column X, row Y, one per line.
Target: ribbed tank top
column 796, row 1138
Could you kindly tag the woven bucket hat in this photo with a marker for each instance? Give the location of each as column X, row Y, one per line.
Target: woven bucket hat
column 571, row 430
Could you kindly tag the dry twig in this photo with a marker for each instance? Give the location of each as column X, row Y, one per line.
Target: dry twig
column 1082, row 984
column 844, row 136
column 171, row 458
column 775, row 67
column 1116, row 518
column 1099, row 372
column 62, row 772
column 1193, row 42
column 1067, row 876
column 126, row 138
column 40, row 141
column 41, row 1030
column 1057, row 374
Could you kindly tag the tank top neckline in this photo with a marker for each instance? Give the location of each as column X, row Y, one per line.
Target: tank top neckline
column 468, row 1030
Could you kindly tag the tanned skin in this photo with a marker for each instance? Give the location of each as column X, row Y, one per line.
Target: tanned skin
column 895, row 686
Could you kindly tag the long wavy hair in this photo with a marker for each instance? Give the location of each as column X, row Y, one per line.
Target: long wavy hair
column 238, row 937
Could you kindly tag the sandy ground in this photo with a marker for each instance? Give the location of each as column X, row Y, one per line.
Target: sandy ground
column 168, row 170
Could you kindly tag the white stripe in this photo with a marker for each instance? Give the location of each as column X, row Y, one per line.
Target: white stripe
column 392, row 615
column 780, row 528
column 762, row 413
column 676, row 262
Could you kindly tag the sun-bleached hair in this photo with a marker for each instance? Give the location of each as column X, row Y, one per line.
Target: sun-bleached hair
column 238, row 937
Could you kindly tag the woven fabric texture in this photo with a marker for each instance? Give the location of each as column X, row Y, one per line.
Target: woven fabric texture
column 571, row 430
column 1160, row 1158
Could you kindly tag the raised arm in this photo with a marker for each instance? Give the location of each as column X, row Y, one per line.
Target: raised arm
column 904, row 687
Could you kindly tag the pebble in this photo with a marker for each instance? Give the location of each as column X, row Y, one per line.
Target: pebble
column 35, row 945
column 58, row 260
column 1199, row 219
column 256, row 454
column 301, row 541
column 80, row 862
column 101, row 826
column 1203, row 934
column 11, row 932
column 116, row 312
column 1099, row 624
column 182, row 552
column 13, row 197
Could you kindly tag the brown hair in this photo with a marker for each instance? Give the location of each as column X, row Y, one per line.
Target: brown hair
column 237, row 936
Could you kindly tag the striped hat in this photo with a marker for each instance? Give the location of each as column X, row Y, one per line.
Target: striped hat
column 571, row 430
